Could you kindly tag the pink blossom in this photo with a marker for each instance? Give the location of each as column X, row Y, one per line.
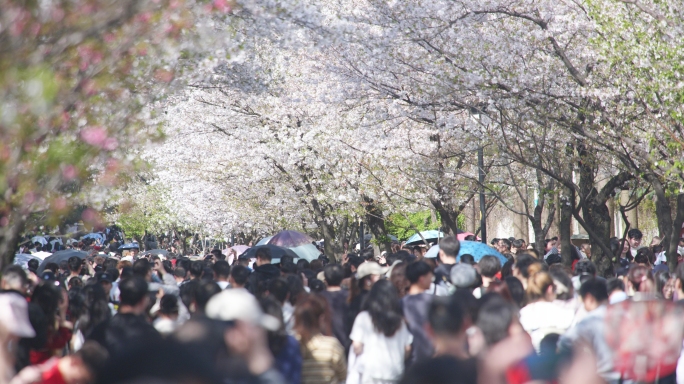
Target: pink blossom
column 69, row 172
column 96, row 136
column 222, row 6
column 110, row 144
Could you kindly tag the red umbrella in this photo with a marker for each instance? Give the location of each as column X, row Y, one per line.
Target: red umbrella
column 290, row 239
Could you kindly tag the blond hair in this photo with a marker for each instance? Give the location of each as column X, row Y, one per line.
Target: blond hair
column 537, row 285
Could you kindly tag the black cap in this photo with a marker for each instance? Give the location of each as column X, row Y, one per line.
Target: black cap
column 103, row 276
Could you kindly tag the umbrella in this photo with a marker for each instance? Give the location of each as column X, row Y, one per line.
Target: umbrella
column 290, row 239
column 239, row 249
column 478, row 250
column 369, row 236
column 162, row 252
column 59, row 256
column 461, row 236
column 276, row 252
column 265, row 240
column 306, row 251
column 39, row 239
column 130, row 246
column 23, row 259
column 429, row 236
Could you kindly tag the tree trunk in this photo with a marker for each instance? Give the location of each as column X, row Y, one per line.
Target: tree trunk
column 376, row 223
column 564, row 226
column 676, row 229
column 9, row 239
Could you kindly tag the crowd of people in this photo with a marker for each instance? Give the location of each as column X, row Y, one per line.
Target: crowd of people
column 367, row 318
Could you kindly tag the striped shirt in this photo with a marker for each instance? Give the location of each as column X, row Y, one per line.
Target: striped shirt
column 323, row 361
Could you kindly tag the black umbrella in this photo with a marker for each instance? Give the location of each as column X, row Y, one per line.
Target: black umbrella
column 59, row 256
column 276, row 252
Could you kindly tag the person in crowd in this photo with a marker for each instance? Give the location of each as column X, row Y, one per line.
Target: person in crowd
column 337, row 301
column 639, row 283
column 80, row 367
column 246, row 338
column 284, row 347
column 166, row 321
column 489, row 267
column 664, row 285
column 506, row 340
column 585, row 249
column 541, row 316
column 130, row 325
column 221, row 273
column 505, row 246
column 591, row 329
column 416, row 305
column 452, row 362
column 323, row 359
column 517, row 246
column 263, row 273
column 634, row 237
column 238, row 276
column 366, row 276
column 616, row 290
column 49, row 296
column 380, row 338
column 279, row 289
column 88, row 309
column 75, row 265
column 448, row 250
column 398, row 277
column 521, row 267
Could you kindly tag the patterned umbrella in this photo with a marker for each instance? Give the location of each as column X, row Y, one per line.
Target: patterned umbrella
column 290, row 239
column 478, row 250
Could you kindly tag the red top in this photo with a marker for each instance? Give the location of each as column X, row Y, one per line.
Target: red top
column 56, row 342
column 52, row 375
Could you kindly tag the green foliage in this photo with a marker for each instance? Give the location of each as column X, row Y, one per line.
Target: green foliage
column 398, row 225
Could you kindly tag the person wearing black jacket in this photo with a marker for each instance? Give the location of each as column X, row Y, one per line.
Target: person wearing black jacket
column 263, row 273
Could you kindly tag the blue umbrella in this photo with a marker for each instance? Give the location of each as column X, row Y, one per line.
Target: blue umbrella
column 429, row 236
column 130, row 246
column 478, row 250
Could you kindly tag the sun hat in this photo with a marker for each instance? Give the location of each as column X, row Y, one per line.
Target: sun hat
column 239, row 304
column 370, row 268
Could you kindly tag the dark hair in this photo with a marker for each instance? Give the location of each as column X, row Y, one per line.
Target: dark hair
column 615, row 284
column 168, row 305
column 94, row 357
column 489, row 266
column 644, row 256
column 467, row 259
column 221, row 268
column 515, row 287
column 493, row 241
column 450, row 246
column 54, row 267
column 661, row 279
column 110, row 264
column 333, row 274
column 179, row 272
column 495, row 317
column 47, row 296
column 517, row 243
column 316, row 285
column 506, row 242
column 585, row 267
column 315, row 266
column 562, row 282
column 205, row 291
column 15, row 275
column 446, row 315
column 74, row 263
column 75, row 282
column 196, row 269
column 523, row 262
column 287, row 259
column 95, row 308
column 279, row 288
column 595, row 287
column 296, row 287
column 240, row 274
column 263, row 253
column 133, row 290
column 470, row 238
column 399, row 280
column 382, row 303
column 634, row 234
column 33, row 265
column 288, row 267
column 302, row 264
column 311, row 317
column 141, row 268
column 416, row 270
column 507, row 268
column 277, row 339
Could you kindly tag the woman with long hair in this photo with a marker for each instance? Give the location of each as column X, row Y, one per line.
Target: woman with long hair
column 323, row 359
column 542, row 316
column 380, row 338
column 51, row 297
column 664, row 285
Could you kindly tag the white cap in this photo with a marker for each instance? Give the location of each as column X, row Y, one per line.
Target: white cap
column 14, row 315
column 239, row 304
column 370, row 268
